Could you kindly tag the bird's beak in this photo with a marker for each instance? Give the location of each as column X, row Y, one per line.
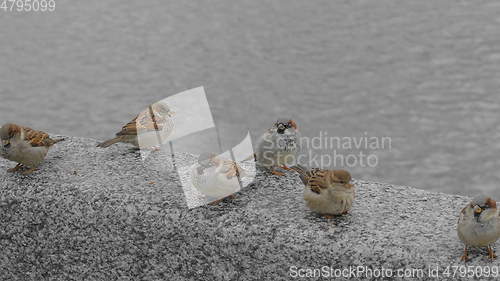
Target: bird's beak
column 477, row 212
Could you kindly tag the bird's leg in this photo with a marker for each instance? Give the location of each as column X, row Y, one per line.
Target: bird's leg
column 491, row 253
column 29, row 171
column 16, row 168
column 465, row 256
column 328, row 217
column 284, row 167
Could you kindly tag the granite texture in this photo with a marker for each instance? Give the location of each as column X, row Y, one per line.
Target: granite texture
column 104, row 214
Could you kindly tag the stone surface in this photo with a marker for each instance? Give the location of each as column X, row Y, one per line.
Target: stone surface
column 104, row 214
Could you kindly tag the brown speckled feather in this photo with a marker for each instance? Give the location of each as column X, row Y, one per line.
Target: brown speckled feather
column 38, row 138
column 234, row 169
column 145, row 124
column 13, row 130
column 318, row 179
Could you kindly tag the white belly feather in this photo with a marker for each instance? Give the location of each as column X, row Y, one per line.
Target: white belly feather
column 22, row 152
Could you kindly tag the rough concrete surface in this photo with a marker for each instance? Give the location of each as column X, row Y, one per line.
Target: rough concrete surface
column 103, row 214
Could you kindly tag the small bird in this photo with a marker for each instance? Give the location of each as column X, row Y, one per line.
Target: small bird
column 479, row 225
column 151, row 125
column 25, row 146
column 215, row 177
column 327, row 192
column 278, row 146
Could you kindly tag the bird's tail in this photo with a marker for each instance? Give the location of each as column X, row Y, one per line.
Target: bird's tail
column 302, row 171
column 56, row 141
column 109, row 142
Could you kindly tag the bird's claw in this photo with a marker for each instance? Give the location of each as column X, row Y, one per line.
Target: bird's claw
column 15, row 169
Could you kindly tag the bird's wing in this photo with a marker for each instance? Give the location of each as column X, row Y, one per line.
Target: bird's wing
column 129, row 129
column 37, row 138
column 317, row 180
column 232, row 169
column 142, row 123
column 462, row 214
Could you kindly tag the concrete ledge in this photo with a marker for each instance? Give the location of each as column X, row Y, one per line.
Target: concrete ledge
column 94, row 214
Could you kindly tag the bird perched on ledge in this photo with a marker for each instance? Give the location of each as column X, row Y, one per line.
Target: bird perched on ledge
column 327, row 192
column 151, row 125
column 479, row 225
column 216, row 177
column 25, row 146
column 278, row 147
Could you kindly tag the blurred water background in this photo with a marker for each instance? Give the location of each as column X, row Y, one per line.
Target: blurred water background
column 425, row 73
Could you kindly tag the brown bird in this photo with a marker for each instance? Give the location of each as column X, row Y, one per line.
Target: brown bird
column 25, row 146
column 152, row 125
column 479, row 225
column 327, row 192
column 216, row 177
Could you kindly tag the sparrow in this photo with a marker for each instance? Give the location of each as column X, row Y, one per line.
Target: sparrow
column 25, row 146
column 215, row 177
column 153, row 125
column 278, row 146
column 327, row 192
column 479, row 225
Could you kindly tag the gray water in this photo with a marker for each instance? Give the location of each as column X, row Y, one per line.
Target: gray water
column 425, row 73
